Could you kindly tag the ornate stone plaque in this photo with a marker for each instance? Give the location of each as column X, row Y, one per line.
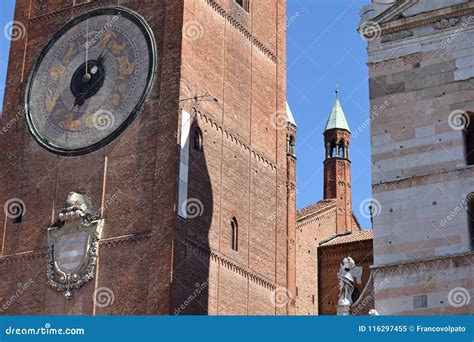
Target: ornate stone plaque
column 73, row 243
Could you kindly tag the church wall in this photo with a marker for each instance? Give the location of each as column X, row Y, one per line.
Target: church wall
column 152, row 260
column 419, row 173
column 232, row 55
column 309, row 233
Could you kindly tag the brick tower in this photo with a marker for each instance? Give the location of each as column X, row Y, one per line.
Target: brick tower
column 192, row 192
column 328, row 223
column 337, row 166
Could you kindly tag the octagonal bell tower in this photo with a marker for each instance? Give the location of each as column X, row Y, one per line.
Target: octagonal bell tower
column 337, row 166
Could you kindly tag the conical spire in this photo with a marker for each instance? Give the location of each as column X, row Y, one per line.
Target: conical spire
column 337, row 119
column 289, row 116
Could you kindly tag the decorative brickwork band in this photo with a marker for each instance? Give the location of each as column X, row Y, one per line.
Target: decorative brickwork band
column 424, row 265
column 230, row 265
column 234, row 22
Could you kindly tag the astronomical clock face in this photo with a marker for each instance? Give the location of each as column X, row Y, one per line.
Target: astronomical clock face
column 90, row 81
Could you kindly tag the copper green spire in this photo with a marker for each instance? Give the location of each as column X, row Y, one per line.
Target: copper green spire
column 337, row 119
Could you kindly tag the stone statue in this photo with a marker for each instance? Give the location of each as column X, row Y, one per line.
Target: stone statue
column 348, row 273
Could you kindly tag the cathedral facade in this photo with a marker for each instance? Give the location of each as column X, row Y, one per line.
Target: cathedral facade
column 421, row 94
column 147, row 168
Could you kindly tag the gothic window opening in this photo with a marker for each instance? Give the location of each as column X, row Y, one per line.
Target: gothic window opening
column 469, row 139
column 245, row 4
column 197, row 139
column 235, row 234
column 332, row 150
column 340, row 152
column 291, row 145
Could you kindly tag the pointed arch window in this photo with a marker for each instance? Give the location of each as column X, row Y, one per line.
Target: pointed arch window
column 234, row 234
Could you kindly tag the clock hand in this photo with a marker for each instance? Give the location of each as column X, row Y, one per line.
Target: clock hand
column 87, row 44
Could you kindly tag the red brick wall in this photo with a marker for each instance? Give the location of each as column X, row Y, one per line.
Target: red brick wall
column 310, row 232
column 329, row 261
column 232, row 55
column 151, row 260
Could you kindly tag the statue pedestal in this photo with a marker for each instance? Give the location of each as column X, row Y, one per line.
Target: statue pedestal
column 343, row 310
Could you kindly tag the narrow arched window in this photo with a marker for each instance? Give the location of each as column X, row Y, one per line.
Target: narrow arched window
column 291, row 145
column 197, row 139
column 234, row 234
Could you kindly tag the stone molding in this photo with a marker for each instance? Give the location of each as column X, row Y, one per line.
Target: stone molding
column 424, row 265
column 427, row 18
column 236, row 24
column 423, row 179
column 390, row 37
column 388, row 64
column 230, row 264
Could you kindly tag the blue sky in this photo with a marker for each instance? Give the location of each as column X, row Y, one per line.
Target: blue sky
column 323, row 49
